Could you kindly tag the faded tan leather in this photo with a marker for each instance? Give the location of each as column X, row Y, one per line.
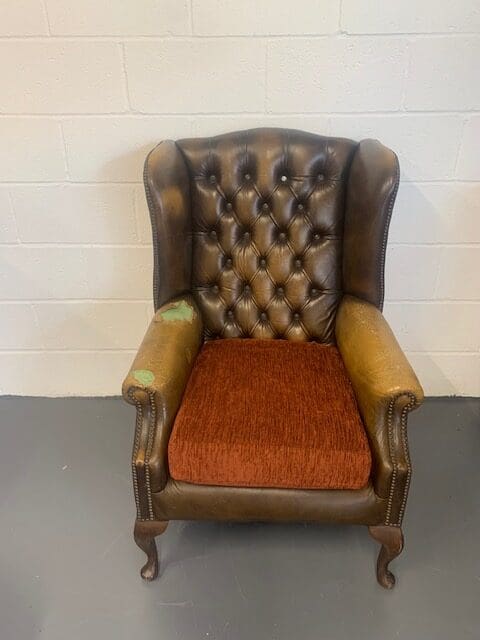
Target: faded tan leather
column 155, row 385
column 273, row 233
column 386, row 389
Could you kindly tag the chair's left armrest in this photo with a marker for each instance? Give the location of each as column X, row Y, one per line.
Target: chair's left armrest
column 385, row 386
column 156, row 382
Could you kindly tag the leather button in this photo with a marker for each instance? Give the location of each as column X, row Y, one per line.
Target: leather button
column 320, row 177
column 247, row 288
column 300, row 206
column 316, row 236
column 298, row 263
column 247, row 176
column 263, row 262
column 263, row 316
column 282, row 236
column 229, row 206
column 314, row 293
column 212, row 179
column 296, row 316
column 280, row 291
column 228, row 262
column 246, row 235
column 230, row 313
column 265, row 206
column 213, row 234
column 215, row 288
column 283, row 178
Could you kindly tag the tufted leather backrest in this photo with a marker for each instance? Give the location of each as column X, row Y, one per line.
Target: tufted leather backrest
column 267, row 209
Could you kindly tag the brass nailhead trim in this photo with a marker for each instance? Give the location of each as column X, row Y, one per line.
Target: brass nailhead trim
column 403, row 435
column 153, row 222
column 391, row 202
column 136, row 445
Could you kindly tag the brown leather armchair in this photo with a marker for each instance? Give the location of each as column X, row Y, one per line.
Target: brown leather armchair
column 268, row 385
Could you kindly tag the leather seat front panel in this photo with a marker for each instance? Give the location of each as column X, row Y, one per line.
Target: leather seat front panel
column 184, row 501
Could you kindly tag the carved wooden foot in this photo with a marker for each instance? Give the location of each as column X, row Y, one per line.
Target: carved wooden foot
column 391, row 539
column 144, row 534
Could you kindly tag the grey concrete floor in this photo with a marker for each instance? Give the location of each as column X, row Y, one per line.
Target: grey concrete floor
column 69, row 567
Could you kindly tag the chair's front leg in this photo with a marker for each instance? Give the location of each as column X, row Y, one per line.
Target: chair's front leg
column 144, row 534
column 391, row 539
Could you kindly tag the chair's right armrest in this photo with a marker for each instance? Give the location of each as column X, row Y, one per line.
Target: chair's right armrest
column 156, row 382
column 385, row 385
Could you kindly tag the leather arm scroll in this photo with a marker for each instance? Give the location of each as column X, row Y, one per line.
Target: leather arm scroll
column 386, row 389
column 155, row 385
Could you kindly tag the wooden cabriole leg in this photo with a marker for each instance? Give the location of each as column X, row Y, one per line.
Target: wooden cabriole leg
column 391, row 539
column 144, row 534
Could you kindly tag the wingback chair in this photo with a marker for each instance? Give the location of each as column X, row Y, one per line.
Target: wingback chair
column 269, row 385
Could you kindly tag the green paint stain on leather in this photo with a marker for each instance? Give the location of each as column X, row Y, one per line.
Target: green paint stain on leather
column 179, row 311
column 144, row 376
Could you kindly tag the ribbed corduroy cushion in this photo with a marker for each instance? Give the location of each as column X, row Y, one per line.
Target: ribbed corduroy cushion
column 269, row 413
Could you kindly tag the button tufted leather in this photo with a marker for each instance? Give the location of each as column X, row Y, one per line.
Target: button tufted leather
column 274, row 191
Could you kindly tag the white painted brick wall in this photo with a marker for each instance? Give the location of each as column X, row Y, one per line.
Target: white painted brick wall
column 23, row 18
column 89, row 87
column 215, row 75
column 61, row 77
column 345, row 73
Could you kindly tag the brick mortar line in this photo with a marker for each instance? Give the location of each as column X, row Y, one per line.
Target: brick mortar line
column 187, row 37
column 140, row 115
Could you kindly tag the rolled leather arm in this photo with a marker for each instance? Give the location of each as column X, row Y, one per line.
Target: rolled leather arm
column 386, row 389
column 155, row 385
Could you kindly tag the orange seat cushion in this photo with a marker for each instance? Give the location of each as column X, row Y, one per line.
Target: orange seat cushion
column 269, row 413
